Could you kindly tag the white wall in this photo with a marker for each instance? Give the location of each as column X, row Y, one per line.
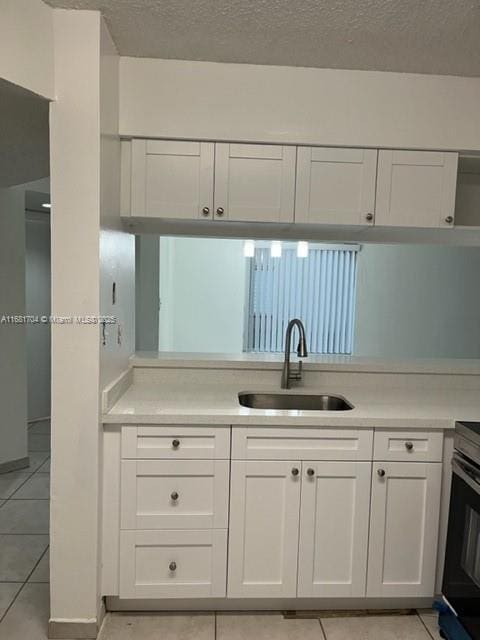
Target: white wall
column 418, row 302
column 75, row 191
column 89, row 253
column 37, row 279
column 202, row 295
column 13, row 370
column 26, row 45
column 181, row 99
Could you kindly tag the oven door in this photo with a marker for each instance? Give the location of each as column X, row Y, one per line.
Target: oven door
column 461, row 581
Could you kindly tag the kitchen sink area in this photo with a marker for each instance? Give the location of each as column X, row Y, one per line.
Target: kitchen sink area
column 294, row 401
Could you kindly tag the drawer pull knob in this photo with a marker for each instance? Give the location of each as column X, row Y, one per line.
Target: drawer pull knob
column 409, row 446
column 294, row 471
column 310, row 472
column 381, row 473
column 175, row 443
column 220, row 211
column 172, row 566
column 174, row 496
column 206, row 211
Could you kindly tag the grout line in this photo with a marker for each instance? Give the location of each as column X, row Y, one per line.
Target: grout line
column 12, row 603
column 215, row 626
column 322, row 628
column 426, row 628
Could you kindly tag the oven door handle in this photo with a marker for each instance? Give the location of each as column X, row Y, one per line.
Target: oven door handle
column 467, row 472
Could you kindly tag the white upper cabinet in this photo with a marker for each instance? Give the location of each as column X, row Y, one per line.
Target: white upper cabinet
column 404, row 529
column 335, row 186
column 335, row 505
column 263, row 543
column 254, row 182
column 171, row 179
column 416, row 188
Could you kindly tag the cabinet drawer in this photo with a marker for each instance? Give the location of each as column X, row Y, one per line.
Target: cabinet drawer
column 173, row 564
column 257, row 443
column 403, row 446
column 171, row 494
column 176, row 442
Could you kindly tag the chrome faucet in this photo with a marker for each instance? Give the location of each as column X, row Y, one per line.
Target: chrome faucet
column 287, row 375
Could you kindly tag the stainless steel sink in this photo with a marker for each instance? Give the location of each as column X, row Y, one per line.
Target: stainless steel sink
column 298, row 401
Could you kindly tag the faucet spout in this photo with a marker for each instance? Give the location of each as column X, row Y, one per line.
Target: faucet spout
column 302, row 352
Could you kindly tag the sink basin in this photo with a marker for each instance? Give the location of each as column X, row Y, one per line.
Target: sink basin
column 298, row 401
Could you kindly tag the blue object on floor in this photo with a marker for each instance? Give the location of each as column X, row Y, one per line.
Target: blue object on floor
column 450, row 627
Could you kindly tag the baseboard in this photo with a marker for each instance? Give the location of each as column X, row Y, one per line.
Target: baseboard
column 73, row 629
column 14, row 465
column 32, row 420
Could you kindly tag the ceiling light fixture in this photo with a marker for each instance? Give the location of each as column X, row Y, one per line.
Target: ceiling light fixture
column 47, row 205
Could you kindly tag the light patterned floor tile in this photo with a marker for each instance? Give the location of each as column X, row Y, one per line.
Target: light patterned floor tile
column 429, row 618
column 45, row 468
column 9, row 482
column 25, row 516
column 37, row 459
column 155, row 627
column 19, row 555
column 8, row 591
column 266, row 627
column 27, row 618
column 375, row 628
column 42, row 570
column 37, row 488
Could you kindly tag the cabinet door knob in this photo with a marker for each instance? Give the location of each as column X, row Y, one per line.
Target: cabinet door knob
column 294, row 471
column 381, row 473
column 220, row 211
column 310, row 472
column 175, row 443
column 409, row 446
column 206, row 211
column 174, row 496
column 172, row 566
column 449, row 219
column 369, row 217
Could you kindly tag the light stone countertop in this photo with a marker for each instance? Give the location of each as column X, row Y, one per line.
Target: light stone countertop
column 213, row 404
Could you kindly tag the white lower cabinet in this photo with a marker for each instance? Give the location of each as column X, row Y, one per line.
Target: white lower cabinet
column 263, row 543
column 173, row 564
column 334, row 514
column 284, row 546
column 404, row 524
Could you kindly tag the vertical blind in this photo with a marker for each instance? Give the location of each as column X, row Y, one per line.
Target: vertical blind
column 319, row 289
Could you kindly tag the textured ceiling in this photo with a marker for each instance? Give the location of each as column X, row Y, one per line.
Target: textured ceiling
column 419, row 36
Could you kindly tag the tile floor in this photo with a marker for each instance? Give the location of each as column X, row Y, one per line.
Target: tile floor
column 245, row 626
column 24, row 524
column 24, row 588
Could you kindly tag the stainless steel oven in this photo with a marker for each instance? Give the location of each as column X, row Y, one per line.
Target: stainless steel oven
column 461, row 581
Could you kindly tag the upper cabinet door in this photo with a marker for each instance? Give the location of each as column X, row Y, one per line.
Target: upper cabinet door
column 254, row 182
column 172, row 179
column 416, row 188
column 335, row 186
column 404, row 529
column 334, row 515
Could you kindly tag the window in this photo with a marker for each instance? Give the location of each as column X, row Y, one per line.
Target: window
column 319, row 289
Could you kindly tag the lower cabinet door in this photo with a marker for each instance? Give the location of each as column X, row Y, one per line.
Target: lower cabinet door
column 334, row 520
column 173, row 564
column 263, row 535
column 404, row 529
